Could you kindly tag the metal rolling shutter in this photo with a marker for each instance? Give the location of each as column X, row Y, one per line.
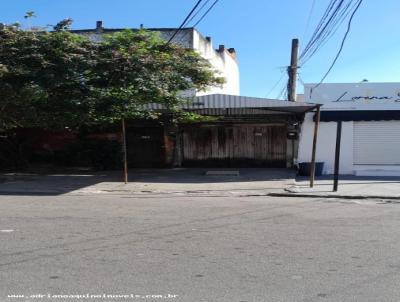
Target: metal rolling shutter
column 377, row 143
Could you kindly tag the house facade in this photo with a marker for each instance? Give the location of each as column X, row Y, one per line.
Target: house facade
column 370, row 116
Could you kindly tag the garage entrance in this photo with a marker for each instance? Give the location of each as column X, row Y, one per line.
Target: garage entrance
column 238, row 145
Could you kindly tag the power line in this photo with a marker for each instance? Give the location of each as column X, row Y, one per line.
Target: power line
column 301, row 80
column 330, row 31
column 276, row 84
column 318, row 28
column 198, row 11
column 282, row 91
column 205, row 14
column 340, row 15
column 334, row 15
column 184, row 21
column 342, row 44
column 201, row 18
column 309, row 18
column 322, row 30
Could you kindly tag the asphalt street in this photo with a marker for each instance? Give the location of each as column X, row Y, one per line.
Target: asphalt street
column 121, row 248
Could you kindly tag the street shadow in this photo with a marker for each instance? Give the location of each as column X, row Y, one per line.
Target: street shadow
column 50, row 184
column 33, row 184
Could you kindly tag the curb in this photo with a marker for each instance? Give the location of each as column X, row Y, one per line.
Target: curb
column 130, row 193
column 333, row 196
column 34, row 193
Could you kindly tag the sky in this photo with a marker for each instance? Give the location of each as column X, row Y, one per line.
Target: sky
column 259, row 30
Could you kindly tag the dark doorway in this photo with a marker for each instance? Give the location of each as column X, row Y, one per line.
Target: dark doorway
column 145, row 147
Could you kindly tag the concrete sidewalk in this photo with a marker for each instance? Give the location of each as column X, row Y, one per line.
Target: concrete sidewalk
column 349, row 187
column 179, row 181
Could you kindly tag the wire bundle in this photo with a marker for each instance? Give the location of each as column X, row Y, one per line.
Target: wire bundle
column 336, row 13
column 334, row 16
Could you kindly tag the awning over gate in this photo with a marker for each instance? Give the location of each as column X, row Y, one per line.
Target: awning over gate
column 213, row 103
column 225, row 101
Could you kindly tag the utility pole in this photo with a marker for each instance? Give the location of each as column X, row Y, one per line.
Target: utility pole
column 314, row 145
column 337, row 156
column 292, row 71
column 124, row 151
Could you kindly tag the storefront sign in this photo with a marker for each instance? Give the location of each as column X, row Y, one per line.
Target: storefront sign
column 370, row 98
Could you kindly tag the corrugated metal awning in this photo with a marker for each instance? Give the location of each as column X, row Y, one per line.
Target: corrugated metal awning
column 225, row 101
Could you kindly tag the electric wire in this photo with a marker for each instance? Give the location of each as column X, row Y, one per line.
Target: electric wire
column 276, row 84
column 319, row 34
column 282, row 91
column 318, row 28
column 331, row 29
column 198, row 11
column 184, row 21
column 201, row 18
column 206, row 13
column 309, row 18
column 341, row 45
column 335, row 14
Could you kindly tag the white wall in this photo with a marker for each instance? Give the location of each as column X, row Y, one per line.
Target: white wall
column 326, row 144
column 224, row 62
column 354, row 96
column 345, row 96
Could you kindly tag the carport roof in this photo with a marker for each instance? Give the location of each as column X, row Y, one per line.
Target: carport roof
column 225, row 101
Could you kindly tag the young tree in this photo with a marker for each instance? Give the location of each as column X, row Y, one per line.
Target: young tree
column 137, row 68
column 42, row 79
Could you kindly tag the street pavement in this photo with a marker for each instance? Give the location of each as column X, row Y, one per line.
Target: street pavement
column 187, row 248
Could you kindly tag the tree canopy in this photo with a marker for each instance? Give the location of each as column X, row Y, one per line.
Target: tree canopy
column 59, row 79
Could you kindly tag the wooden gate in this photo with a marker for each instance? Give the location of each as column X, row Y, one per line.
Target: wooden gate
column 235, row 146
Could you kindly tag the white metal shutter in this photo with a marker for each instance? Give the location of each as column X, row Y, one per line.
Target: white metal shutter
column 377, row 143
